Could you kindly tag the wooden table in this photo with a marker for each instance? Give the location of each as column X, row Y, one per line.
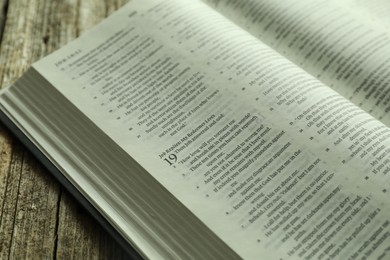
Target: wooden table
column 38, row 218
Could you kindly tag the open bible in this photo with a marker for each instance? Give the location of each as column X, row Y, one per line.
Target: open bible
column 222, row 129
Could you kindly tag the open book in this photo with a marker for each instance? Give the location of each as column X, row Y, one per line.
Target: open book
column 223, row 129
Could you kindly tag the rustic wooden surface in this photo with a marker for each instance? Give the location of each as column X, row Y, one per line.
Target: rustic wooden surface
column 38, row 218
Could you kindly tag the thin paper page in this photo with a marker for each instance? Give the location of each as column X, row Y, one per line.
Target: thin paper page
column 332, row 42
column 378, row 10
column 273, row 161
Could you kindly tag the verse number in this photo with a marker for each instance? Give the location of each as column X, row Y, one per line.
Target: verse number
column 171, row 159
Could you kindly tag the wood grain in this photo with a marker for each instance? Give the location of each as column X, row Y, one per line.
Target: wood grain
column 38, row 219
column 3, row 11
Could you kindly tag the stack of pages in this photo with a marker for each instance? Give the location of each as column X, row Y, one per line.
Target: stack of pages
column 223, row 129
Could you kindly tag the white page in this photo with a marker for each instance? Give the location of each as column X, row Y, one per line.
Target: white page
column 235, row 131
column 377, row 10
column 334, row 43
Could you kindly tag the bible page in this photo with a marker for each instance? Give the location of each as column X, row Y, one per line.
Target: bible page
column 377, row 10
column 274, row 162
column 335, row 43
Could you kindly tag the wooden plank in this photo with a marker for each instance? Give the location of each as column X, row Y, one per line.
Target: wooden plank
column 29, row 196
column 80, row 237
column 37, row 218
column 35, row 215
column 3, row 13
